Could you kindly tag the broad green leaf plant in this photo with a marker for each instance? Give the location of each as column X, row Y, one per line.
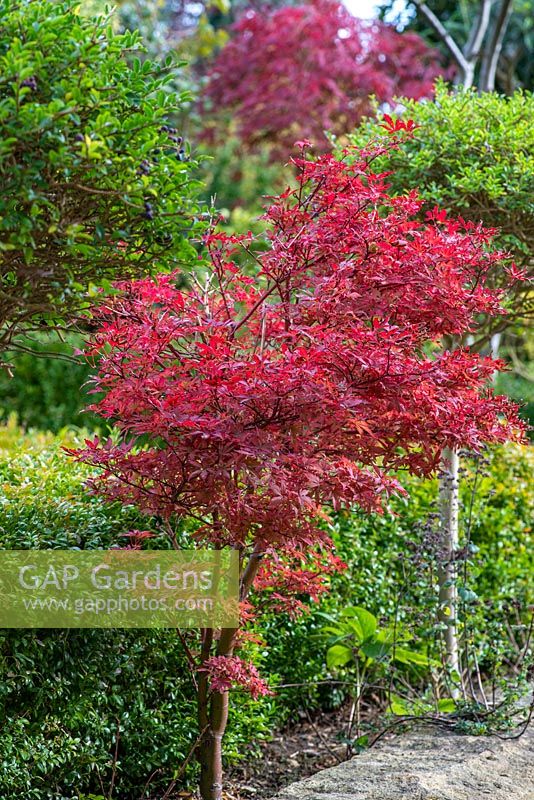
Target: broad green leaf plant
column 360, row 648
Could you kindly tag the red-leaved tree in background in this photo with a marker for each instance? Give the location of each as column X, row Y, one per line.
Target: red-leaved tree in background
column 296, row 72
column 251, row 404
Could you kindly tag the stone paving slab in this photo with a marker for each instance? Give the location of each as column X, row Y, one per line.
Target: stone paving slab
column 428, row 765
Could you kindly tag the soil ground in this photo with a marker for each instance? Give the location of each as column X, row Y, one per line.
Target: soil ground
column 299, row 750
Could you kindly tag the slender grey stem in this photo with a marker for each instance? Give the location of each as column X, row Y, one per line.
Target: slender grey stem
column 493, row 49
column 447, row 39
column 478, row 31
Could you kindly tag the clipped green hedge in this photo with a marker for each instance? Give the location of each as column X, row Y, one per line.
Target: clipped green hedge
column 64, row 694
column 472, row 154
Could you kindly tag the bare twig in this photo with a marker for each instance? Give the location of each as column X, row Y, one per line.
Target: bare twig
column 322, row 738
column 115, row 760
column 185, row 762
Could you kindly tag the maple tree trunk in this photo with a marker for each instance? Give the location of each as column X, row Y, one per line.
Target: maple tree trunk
column 211, row 769
column 449, row 517
column 212, row 718
column 213, row 706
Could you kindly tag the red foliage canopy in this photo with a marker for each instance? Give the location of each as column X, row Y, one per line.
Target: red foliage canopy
column 298, row 71
column 266, row 398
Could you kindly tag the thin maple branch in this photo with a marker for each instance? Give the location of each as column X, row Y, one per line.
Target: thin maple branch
column 190, row 658
column 254, row 308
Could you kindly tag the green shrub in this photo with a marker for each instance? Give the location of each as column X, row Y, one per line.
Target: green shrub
column 94, row 185
column 519, row 387
column 389, row 557
column 472, row 154
column 66, row 693
column 241, row 181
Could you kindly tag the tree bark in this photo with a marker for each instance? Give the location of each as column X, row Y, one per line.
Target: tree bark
column 474, row 51
column 211, row 766
column 447, row 573
column 213, row 707
column 467, row 69
column 478, row 32
column 492, row 53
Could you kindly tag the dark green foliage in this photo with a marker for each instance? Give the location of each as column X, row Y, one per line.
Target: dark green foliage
column 65, row 694
column 521, row 389
column 47, row 392
column 94, row 184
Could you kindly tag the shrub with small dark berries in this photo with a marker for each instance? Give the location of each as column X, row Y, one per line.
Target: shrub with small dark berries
column 94, row 184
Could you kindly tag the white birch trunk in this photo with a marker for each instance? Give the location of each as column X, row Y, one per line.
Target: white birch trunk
column 447, row 572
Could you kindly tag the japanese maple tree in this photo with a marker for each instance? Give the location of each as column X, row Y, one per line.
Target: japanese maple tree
column 252, row 404
column 298, row 71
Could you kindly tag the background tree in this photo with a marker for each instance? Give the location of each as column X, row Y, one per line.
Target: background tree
column 489, row 42
column 249, row 405
column 473, row 154
column 300, row 71
column 94, row 184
